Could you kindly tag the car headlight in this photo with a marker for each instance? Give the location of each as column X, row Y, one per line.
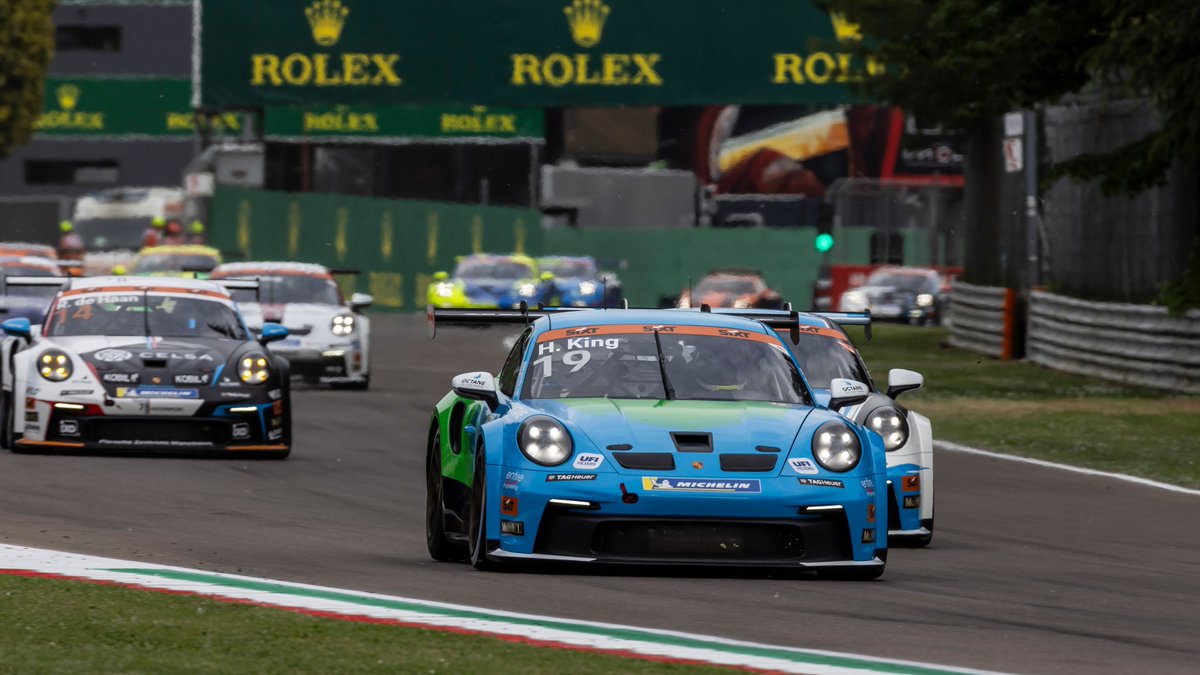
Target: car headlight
column 587, row 287
column 255, row 369
column 343, row 324
column 836, row 447
column 925, row 300
column 685, row 302
column 545, row 441
column 526, row 290
column 445, row 289
column 741, row 303
column 54, row 365
column 855, row 299
column 891, row 424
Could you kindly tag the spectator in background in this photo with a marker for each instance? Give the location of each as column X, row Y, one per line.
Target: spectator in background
column 70, row 244
column 196, row 232
column 174, row 235
column 153, row 235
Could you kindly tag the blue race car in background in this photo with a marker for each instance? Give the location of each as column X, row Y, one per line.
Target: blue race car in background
column 580, row 283
column 652, row 437
column 487, row 280
column 20, row 301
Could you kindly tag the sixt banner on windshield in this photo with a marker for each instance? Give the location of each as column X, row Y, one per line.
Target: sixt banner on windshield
column 532, row 53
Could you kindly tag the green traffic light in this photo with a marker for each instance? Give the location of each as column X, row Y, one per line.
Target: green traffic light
column 824, row 242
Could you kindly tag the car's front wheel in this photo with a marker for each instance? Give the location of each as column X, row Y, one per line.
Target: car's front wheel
column 6, row 431
column 477, row 522
column 440, row 548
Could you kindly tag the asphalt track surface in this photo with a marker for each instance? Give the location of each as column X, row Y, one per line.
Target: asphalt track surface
column 1032, row 570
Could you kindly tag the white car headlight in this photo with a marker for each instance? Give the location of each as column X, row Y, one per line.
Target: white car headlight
column 889, row 423
column 343, row 324
column 587, row 287
column 925, row 300
column 254, row 368
column 54, row 365
column 545, row 441
column 836, row 447
column 526, row 290
column 445, row 289
column 852, row 300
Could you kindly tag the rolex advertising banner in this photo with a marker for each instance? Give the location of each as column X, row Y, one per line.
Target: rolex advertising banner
column 404, row 123
column 112, row 107
column 532, row 53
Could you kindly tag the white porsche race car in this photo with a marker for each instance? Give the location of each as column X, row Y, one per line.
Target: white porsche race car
column 329, row 339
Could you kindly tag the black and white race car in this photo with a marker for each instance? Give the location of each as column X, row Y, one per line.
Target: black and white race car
column 143, row 364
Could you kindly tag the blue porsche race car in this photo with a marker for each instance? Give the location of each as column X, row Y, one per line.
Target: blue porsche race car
column 653, row 437
column 580, row 283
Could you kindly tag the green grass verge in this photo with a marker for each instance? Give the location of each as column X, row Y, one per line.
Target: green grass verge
column 53, row 626
column 1024, row 409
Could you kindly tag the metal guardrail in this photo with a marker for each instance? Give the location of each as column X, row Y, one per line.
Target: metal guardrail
column 981, row 319
column 1136, row 344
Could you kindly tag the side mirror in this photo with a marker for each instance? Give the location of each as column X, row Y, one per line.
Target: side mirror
column 273, row 332
column 477, row 387
column 18, row 327
column 440, row 276
column 361, row 301
column 901, row 380
column 845, row 393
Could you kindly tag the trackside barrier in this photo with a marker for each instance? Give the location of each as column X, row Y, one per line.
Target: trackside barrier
column 1135, row 344
column 982, row 319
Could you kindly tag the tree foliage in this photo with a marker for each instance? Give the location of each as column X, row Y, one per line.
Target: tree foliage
column 963, row 62
column 26, row 45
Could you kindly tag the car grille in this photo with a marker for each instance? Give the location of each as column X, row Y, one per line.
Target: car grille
column 667, row 539
column 155, row 429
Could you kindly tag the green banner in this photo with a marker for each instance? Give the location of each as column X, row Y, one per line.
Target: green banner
column 105, row 107
column 392, row 123
column 533, row 53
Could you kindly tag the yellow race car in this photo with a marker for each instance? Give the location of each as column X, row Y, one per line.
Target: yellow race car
column 185, row 261
column 487, row 280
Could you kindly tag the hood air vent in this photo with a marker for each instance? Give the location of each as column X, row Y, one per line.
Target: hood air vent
column 692, row 442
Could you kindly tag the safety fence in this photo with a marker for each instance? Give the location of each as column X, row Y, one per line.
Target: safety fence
column 1136, row 344
column 982, row 319
column 399, row 245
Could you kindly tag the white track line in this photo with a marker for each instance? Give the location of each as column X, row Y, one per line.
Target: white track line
column 955, row 447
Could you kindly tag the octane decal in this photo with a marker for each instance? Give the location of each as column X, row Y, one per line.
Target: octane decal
column 508, row 506
column 699, row 485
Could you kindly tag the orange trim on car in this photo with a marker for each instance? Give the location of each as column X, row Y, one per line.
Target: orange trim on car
column 50, row 444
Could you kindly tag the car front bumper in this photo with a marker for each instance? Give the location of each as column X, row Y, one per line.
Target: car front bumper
column 612, row 518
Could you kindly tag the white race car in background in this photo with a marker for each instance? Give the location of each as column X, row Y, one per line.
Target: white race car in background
column 329, row 339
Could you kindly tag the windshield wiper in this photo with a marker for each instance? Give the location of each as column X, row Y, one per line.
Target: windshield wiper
column 662, row 367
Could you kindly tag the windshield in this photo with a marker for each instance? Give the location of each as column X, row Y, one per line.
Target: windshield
column 106, row 234
column 568, row 269
column 143, row 314
column 738, row 285
column 173, row 262
column 826, row 356
column 493, row 269
column 29, row 291
column 915, row 283
column 288, row 289
column 697, row 363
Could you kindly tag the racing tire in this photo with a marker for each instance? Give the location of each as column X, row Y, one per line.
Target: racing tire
column 440, row 548
column 6, row 431
column 477, row 521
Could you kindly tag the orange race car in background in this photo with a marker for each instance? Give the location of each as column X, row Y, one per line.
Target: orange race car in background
column 732, row 287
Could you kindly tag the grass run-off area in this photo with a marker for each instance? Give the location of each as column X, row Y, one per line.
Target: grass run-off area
column 55, row 626
column 1024, row 409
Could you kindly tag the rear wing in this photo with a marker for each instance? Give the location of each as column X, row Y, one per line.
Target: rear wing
column 775, row 319
column 43, row 282
column 238, row 285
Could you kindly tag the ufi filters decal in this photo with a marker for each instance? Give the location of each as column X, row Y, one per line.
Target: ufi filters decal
column 699, row 485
